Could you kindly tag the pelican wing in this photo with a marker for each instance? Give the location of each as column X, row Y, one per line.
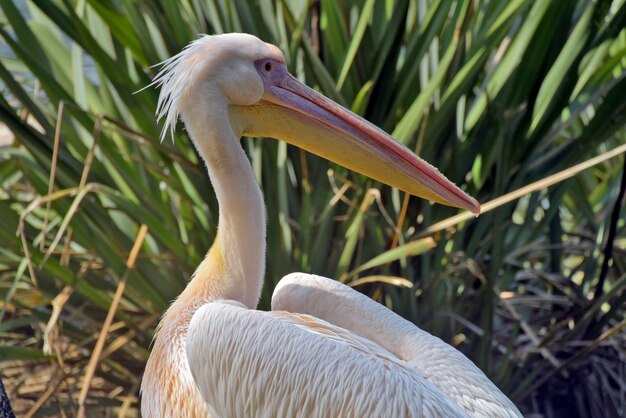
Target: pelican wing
column 431, row 358
column 249, row 363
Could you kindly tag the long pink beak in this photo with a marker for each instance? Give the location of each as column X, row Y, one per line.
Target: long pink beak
column 332, row 131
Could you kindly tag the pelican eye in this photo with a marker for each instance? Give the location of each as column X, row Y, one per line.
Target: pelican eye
column 268, row 66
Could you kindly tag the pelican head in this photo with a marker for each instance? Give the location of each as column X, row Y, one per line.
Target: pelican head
column 241, row 79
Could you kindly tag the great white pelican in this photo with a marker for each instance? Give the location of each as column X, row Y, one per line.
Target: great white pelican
column 324, row 350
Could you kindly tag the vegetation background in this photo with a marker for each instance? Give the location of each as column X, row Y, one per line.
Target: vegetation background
column 497, row 94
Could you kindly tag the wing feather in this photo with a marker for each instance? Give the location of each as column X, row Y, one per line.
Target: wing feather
column 431, row 358
column 277, row 364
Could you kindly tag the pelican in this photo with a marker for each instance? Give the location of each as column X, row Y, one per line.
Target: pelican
column 324, row 350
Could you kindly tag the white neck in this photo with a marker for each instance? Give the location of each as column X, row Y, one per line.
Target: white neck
column 241, row 226
column 233, row 269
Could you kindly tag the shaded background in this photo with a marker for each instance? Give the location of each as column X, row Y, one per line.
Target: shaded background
column 496, row 94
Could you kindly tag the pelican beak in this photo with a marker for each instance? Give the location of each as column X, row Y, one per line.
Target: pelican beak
column 297, row 114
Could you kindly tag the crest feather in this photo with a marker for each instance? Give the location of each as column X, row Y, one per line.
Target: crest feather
column 174, row 79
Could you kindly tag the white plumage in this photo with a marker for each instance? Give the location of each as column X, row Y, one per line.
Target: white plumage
column 300, row 366
column 324, row 350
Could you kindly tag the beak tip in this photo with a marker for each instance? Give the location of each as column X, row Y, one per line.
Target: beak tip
column 473, row 206
column 476, row 208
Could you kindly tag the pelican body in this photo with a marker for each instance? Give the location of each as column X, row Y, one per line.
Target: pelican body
column 324, row 350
